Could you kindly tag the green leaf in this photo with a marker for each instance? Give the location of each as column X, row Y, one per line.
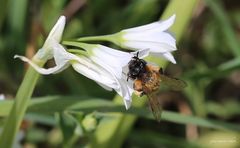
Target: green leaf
column 17, row 19
column 109, row 110
column 225, row 110
column 70, row 128
column 139, row 137
column 220, row 71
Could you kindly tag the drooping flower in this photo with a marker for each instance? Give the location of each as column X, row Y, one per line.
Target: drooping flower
column 154, row 36
column 115, row 63
column 99, row 63
column 49, row 50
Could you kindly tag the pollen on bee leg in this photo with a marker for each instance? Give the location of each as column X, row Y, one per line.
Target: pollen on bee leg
column 138, row 88
column 161, row 71
column 139, row 93
column 137, row 85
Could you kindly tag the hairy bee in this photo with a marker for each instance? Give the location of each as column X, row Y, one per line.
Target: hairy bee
column 147, row 79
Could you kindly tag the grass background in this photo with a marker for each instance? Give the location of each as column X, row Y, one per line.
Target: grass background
column 69, row 110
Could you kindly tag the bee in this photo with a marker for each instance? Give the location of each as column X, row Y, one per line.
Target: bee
column 147, row 79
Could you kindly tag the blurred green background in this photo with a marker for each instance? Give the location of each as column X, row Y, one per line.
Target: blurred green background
column 67, row 108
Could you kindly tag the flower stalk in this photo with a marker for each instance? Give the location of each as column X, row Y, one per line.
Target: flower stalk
column 114, row 38
column 96, row 38
column 20, row 105
column 28, row 84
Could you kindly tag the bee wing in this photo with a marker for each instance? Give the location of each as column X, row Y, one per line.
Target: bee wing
column 174, row 83
column 155, row 106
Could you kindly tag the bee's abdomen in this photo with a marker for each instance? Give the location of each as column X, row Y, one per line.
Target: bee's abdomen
column 151, row 82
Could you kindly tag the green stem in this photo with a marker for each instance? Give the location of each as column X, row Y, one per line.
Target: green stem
column 79, row 44
column 19, row 108
column 77, row 51
column 98, row 38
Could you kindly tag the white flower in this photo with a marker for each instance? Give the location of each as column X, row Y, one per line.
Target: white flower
column 154, row 36
column 50, row 50
column 99, row 63
column 114, row 62
column 82, row 64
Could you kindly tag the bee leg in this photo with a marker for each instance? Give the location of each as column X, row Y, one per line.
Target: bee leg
column 161, row 71
column 128, row 76
column 138, row 93
column 137, row 54
column 137, row 86
column 142, row 93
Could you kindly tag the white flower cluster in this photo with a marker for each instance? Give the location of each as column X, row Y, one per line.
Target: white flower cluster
column 107, row 66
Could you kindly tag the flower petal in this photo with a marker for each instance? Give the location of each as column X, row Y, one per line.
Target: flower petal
column 127, row 103
column 61, row 58
column 121, row 84
column 126, row 88
column 167, row 56
column 113, row 60
column 125, row 92
column 153, row 46
column 106, row 52
column 55, row 35
column 105, row 86
column 56, row 32
column 92, row 71
column 44, row 71
column 149, row 37
column 160, row 25
column 60, row 55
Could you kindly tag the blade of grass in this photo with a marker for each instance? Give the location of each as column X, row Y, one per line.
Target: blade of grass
column 3, row 9
column 19, row 108
column 40, row 118
column 45, row 107
column 214, row 73
column 183, row 10
column 17, row 19
column 231, row 108
column 154, row 139
column 224, row 22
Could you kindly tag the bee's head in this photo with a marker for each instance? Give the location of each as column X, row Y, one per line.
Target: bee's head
column 136, row 67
